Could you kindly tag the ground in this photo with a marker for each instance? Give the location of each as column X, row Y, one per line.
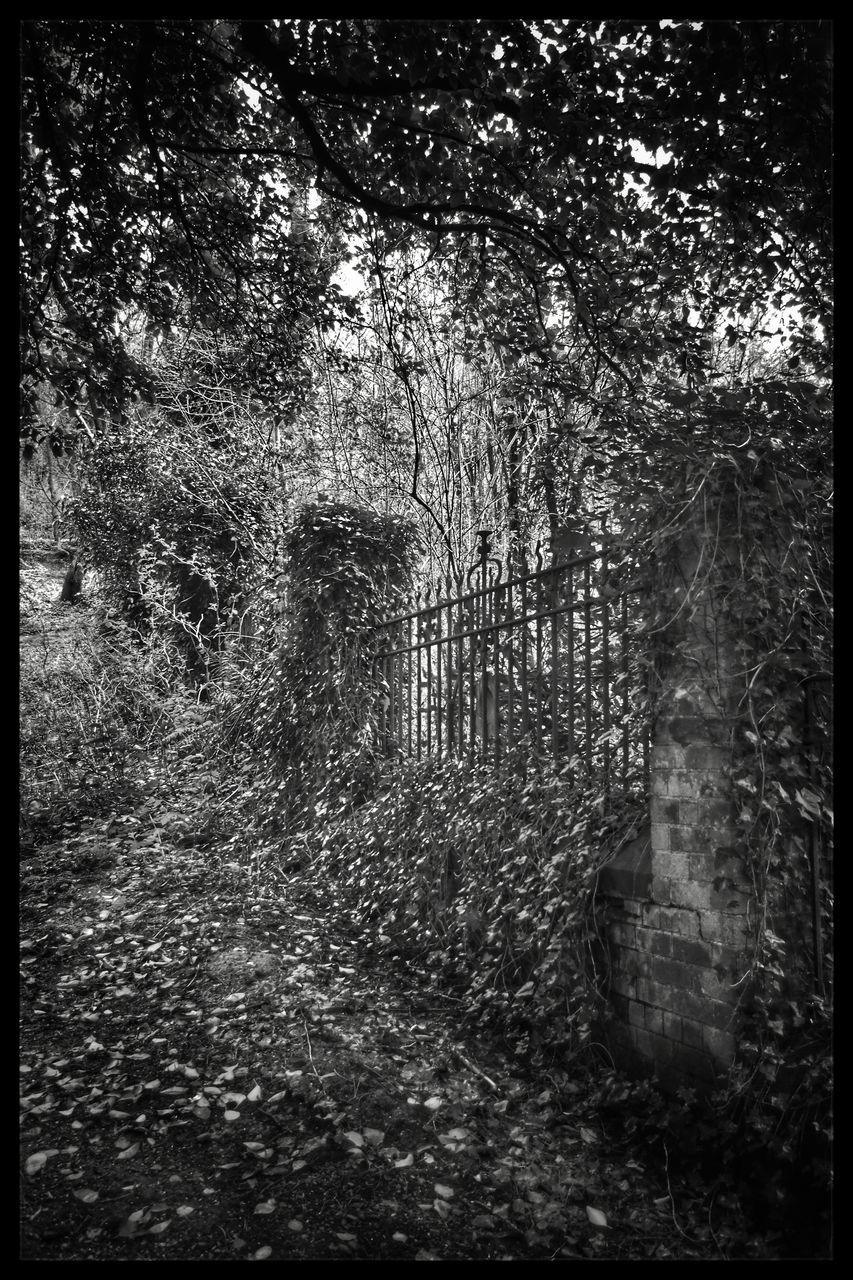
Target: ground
column 215, row 1065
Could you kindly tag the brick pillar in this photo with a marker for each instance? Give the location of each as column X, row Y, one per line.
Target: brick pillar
column 678, row 932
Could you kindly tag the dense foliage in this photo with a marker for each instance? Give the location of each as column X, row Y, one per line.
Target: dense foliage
column 552, row 158
column 309, row 711
column 588, row 296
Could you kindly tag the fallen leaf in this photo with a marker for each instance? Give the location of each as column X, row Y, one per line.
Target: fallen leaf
column 128, row 1152
column 88, row 1197
column 295, row 1225
column 355, row 1138
column 445, row 1192
column 255, row 1095
column 266, row 1206
column 263, row 1252
column 405, row 1162
column 36, row 1162
column 596, row 1217
column 433, row 1103
column 184, row 1210
column 231, row 1116
column 159, row 1227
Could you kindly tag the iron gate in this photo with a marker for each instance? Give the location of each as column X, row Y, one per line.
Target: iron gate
column 549, row 658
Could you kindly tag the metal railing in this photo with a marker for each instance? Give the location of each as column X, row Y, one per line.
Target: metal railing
column 548, row 658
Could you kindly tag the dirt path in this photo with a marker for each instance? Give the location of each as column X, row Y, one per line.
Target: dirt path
column 212, row 1074
column 214, row 1065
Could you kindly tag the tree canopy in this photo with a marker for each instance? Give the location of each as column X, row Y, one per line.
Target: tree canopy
column 645, row 180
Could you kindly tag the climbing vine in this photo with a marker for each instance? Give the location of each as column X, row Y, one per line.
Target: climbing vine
column 751, row 471
column 311, row 715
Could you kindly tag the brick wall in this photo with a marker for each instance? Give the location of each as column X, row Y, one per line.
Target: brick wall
column 678, row 929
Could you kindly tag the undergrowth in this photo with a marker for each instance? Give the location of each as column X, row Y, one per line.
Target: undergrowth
column 485, row 876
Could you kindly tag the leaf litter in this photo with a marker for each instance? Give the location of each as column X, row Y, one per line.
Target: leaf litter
column 183, row 1099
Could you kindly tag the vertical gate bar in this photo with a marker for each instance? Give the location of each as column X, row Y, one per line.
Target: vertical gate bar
column 587, row 662
column 430, row 618
column 392, row 701
column 555, row 651
column 439, row 656
column 523, row 636
column 570, row 658
column 605, row 651
column 399, row 668
column 539, row 681
column 496, row 654
column 484, row 644
column 472, row 678
column 419, row 653
column 510, row 664
column 451, row 723
column 409, row 688
column 810, row 741
column 386, row 702
column 460, row 673
column 625, row 702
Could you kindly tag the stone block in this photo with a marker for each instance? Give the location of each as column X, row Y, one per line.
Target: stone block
column 636, row 1014
column 702, row 755
column 660, row 944
column 652, row 915
column 660, row 890
column 654, row 1019
column 687, row 813
column 682, row 894
column 717, row 1014
column 660, row 837
column 701, row 868
column 674, row 865
column 624, row 985
column 693, row 839
column 674, row 974
column 661, row 1049
column 643, row 1042
column 728, row 901
column 672, row 1026
column 719, row 1044
column 628, row 875
column 665, row 810
column 667, row 755
column 691, row 1033
column 717, row 986
column 729, row 929
column 719, row 810
column 691, row 951
column 678, row 920
column 728, row 958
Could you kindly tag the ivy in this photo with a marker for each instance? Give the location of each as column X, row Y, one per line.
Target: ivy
column 487, row 875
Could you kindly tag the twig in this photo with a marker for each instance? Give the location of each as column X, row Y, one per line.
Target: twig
column 671, row 1198
column 473, row 1067
column 311, row 1057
